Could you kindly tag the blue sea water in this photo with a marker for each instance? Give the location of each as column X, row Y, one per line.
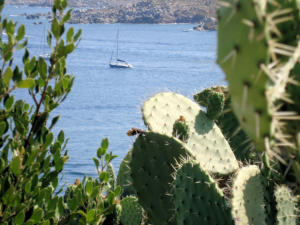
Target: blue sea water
column 106, row 102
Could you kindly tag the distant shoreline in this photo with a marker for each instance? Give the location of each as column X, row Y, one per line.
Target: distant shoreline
column 139, row 13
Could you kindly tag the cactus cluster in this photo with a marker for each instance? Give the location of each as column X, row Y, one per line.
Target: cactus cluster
column 240, row 143
column 195, row 180
column 238, row 162
column 262, row 69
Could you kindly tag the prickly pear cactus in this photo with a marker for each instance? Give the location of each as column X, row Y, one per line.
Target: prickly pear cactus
column 132, row 212
column 261, row 68
column 243, row 60
column 286, row 206
column 205, row 140
column 124, row 178
column 213, row 101
column 240, row 143
column 154, row 157
column 197, row 198
column 248, row 206
column 118, row 212
column 181, row 129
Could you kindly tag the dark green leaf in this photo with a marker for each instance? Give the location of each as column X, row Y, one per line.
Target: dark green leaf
column 59, row 163
column 54, row 121
column 27, row 83
column 2, row 166
column 21, row 33
column 90, row 216
column 104, row 176
column 67, row 16
column 22, row 45
column 32, row 64
column 56, row 4
column 9, row 102
column 17, row 74
column 69, row 48
column 61, row 136
column 49, row 139
column 101, row 152
column 95, row 193
column 60, row 49
column 28, row 187
column 77, row 35
column 54, row 182
column 20, row 218
column 26, row 56
column 1, row 5
column 110, row 198
column 53, row 203
column 55, row 28
column 96, row 161
column 49, row 39
column 7, row 76
column 2, row 127
column 117, row 191
column 70, row 34
column 72, row 203
column 10, row 28
column 104, row 143
column 15, row 165
column 63, row 4
column 89, row 186
column 42, row 67
column 37, row 214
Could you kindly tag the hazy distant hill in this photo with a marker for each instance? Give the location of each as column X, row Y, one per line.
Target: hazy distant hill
column 113, row 3
column 136, row 11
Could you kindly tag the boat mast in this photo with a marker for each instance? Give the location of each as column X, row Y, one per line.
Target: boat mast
column 118, row 43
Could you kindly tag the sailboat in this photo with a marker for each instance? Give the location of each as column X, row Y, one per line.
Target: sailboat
column 118, row 63
column 44, row 55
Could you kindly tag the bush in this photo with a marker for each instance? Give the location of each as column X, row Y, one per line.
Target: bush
column 31, row 156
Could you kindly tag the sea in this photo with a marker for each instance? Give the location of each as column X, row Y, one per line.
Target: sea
column 105, row 102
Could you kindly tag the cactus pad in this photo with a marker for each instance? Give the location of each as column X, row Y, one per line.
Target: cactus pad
column 286, row 206
column 197, row 198
column 240, row 143
column 205, row 140
column 243, row 59
column 212, row 100
column 124, row 178
column 152, row 165
column 248, row 206
column 132, row 212
column 181, row 129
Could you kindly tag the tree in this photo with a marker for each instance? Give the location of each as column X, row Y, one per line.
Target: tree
column 31, row 156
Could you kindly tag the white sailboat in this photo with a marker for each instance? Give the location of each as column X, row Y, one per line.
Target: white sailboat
column 118, row 63
column 44, row 54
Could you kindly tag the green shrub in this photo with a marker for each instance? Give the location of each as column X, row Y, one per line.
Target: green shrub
column 31, row 155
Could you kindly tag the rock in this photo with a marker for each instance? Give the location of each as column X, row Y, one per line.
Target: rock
column 208, row 23
column 32, row 17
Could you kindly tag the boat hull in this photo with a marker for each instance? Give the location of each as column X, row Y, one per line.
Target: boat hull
column 120, row 65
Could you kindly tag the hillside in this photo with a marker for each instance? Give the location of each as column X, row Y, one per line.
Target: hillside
column 112, row 3
column 137, row 11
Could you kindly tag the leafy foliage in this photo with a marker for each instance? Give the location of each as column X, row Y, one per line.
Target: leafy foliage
column 93, row 201
column 31, row 155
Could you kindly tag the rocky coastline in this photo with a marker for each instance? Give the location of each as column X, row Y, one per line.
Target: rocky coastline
column 148, row 12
